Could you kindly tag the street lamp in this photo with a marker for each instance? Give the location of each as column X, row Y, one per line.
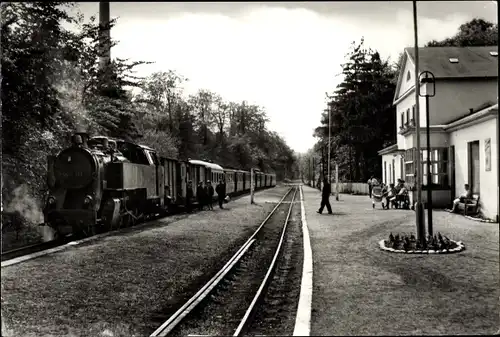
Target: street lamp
column 427, row 78
column 419, row 210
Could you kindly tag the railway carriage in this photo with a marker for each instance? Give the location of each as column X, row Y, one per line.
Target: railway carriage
column 230, row 180
column 258, row 176
column 173, row 183
column 272, row 177
column 246, row 181
column 204, row 171
column 240, row 181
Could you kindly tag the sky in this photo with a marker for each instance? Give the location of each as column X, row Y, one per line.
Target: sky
column 283, row 56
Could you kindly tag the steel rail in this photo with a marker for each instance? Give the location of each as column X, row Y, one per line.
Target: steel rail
column 177, row 317
column 266, row 279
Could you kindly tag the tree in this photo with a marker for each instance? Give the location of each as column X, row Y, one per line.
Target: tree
column 203, row 105
column 220, row 116
column 162, row 92
column 477, row 32
column 361, row 113
column 51, row 85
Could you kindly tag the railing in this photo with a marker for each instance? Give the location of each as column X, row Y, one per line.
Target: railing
column 347, row 187
column 352, row 188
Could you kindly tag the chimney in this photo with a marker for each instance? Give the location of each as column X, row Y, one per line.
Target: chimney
column 471, row 110
column 104, row 35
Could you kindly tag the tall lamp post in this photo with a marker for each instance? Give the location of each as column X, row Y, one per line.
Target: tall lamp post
column 419, row 210
column 329, row 140
column 427, row 78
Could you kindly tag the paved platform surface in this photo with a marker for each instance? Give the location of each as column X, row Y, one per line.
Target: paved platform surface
column 361, row 290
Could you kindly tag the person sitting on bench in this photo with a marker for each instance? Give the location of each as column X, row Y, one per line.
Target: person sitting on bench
column 462, row 199
column 391, row 196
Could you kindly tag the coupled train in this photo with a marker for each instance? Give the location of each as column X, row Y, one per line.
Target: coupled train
column 103, row 183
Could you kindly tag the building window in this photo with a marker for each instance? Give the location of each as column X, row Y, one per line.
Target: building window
column 439, row 167
column 408, row 116
column 410, row 166
column 408, row 76
column 439, row 176
column 413, row 114
column 402, row 119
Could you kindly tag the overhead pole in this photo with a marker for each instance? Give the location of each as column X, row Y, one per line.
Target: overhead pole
column 419, row 209
column 104, row 35
column 329, row 141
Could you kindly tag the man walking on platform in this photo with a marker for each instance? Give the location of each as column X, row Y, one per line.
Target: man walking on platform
column 221, row 192
column 325, row 197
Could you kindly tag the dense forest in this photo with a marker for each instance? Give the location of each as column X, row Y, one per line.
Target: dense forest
column 53, row 85
column 362, row 115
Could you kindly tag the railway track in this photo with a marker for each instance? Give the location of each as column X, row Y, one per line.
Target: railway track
column 31, row 249
column 43, row 246
column 226, row 304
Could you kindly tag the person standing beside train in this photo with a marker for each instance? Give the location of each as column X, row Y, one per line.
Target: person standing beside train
column 210, row 194
column 189, row 195
column 221, row 192
column 200, row 195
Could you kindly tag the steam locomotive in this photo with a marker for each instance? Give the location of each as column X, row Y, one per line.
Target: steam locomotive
column 101, row 183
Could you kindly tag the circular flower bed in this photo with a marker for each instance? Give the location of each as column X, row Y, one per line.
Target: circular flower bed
column 408, row 244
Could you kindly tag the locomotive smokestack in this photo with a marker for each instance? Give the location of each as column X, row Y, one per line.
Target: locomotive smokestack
column 83, row 138
column 104, row 35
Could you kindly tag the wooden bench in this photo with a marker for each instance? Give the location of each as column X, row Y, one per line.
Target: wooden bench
column 470, row 206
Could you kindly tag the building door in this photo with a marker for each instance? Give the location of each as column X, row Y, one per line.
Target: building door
column 474, row 166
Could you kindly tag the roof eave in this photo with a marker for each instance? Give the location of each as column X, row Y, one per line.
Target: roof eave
column 478, row 117
column 388, row 150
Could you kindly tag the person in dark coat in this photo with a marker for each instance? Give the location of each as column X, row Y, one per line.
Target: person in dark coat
column 325, row 197
column 189, row 195
column 201, row 196
column 221, row 192
column 210, row 194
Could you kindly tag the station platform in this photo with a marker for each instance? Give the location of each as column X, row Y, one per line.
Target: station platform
column 360, row 290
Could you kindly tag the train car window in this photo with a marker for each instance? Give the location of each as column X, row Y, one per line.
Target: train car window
column 141, row 156
column 154, row 157
column 127, row 152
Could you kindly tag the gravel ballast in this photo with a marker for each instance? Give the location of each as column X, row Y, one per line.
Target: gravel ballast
column 126, row 284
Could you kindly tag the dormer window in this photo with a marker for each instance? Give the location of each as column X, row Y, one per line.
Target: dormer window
column 493, row 53
column 453, row 60
column 408, row 76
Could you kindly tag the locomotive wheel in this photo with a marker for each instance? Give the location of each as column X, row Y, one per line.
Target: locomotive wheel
column 129, row 218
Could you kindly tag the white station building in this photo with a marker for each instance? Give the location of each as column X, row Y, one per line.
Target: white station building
column 462, row 122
